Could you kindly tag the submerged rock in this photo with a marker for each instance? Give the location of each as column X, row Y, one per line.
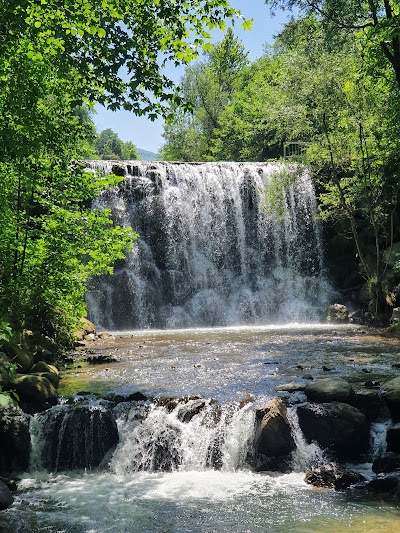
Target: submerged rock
column 329, row 390
column 101, row 359
column 14, row 440
column 291, row 387
column 338, row 427
column 76, row 437
column 333, row 476
column 273, row 434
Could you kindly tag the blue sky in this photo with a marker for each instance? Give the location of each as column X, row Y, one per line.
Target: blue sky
column 148, row 135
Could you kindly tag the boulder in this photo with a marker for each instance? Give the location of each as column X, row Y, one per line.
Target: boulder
column 53, row 378
column 88, row 326
column 326, row 390
column 6, row 498
column 42, row 354
column 387, row 463
column 333, row 476
column 273, row 433
column 22, row 358
column 391, row 393
column 337, row 313
column 393, row 439
column 35, row 390
column 191, row 409
column 14, row 440
column 369, row 402
column 41, row 366
column 76, row 437
column 338, row 427
column 385, row 484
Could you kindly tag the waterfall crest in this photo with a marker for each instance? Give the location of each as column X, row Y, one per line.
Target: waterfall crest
column 209, row 254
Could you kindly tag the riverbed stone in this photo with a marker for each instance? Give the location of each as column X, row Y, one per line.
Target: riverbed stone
column 393, row 439
column 337, row 313
column 14, row 440
column 101, row 359
column 333, row 476
column 273, row 433
column 6, row 498
column 326, row 390
column 391, row 393
column 336, row 426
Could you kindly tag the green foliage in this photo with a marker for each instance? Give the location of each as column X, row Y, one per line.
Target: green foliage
column 275, row 193
column 109, row 146
column 57, row 60
column 208, row 87
column 8, row 372
column 5, row 332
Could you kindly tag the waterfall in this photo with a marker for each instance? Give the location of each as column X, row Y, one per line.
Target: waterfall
column 193, row 436
column 209, row 253
column 306, row 455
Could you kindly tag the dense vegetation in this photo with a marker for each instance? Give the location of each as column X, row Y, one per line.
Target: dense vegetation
column 57, row 60
column 329, row 86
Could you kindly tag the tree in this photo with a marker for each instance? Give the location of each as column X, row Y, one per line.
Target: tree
column 57, row 59
column 375, row 21
column 208, row 85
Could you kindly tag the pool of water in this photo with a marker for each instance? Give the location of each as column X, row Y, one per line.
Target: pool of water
column 225, row 364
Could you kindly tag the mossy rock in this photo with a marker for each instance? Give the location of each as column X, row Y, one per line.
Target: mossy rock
column 22, row 358
column 31, row 387
column 53, row 378
column 40, row 353
column 42, row 366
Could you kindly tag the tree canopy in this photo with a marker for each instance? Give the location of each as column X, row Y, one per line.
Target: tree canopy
column 57, row 60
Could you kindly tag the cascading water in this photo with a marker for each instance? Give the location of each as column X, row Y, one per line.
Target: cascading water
column 209, row 254
column 194, row 436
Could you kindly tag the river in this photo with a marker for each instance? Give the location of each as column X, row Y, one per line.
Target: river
column 229, row 365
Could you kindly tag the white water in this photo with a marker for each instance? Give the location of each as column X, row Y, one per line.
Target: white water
column 219, row 435
column 209, row 253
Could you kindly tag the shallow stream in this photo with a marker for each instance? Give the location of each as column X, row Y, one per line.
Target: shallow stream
column 227, row 364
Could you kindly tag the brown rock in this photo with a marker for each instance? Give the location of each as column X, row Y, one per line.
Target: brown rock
column 273, row 434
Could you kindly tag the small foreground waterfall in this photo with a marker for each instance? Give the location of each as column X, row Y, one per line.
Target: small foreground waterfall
column 209, row 254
